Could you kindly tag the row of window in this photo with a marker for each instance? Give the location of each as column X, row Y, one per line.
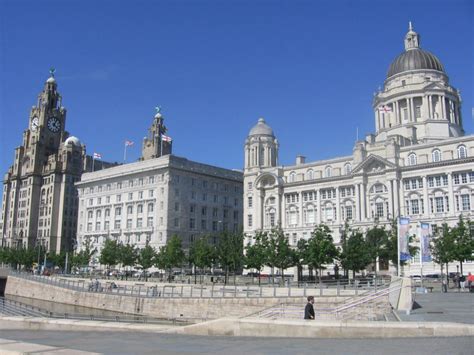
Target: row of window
column 310, row 174
column 436, row 155
column 118, row 211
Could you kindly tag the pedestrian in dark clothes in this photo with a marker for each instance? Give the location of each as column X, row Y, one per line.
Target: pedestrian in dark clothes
column 309, row 310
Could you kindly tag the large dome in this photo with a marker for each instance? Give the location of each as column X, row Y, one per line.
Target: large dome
column 261, row 129
column 414, row 59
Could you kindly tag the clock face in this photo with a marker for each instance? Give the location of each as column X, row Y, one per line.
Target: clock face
column 34, row 124
column 54, row 125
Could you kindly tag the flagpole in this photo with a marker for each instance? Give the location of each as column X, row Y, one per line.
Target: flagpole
column 125, row 153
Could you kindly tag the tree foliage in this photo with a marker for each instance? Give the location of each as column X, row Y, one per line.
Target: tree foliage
column 230, row 252
column 355, row 255
column 321, row 249
column 279, row 253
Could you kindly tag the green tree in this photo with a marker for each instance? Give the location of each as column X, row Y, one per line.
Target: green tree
column 201, row 255
column 127, row 256
column 300, row 257
column 321, row 249
column 230, row 252
column 146, row 259
column 110, row 254
column 279, row 252
column 377, row 241
column 442, row 247
column 83, row 257
column 355, row 255
column 255, row 254
column 58, row 260
column 171, row 255
column 463, row 242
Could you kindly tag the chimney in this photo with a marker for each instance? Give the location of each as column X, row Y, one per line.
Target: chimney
column 300, row 160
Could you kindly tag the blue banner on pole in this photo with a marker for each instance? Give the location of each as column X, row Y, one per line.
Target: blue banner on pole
column 425, row 239
column 403, row 238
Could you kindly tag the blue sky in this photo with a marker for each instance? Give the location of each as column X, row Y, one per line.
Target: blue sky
column 310, row 68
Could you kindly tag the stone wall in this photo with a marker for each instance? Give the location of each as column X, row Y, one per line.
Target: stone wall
column 194, row 309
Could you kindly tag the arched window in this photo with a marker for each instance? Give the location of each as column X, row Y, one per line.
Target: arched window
column 412, row 159
column 347, row 168
column 118, row 211
column 150, row 207
column 98, row 213
column 107, row 212
column 140, row 208
column 292, row 176
column 310, row 174
column 327, row 171
column 129, row 209
column 462, row 152
column 89, row 214
column 436, row 155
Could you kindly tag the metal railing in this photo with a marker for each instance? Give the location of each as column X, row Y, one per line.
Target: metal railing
column 10, row 307
column 343, row 288
column 371, row 306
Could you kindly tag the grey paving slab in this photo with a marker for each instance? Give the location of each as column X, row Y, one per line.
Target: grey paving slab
column 442, row 307
column 170, row 344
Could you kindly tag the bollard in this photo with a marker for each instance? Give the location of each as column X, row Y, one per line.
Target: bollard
column 338, row 288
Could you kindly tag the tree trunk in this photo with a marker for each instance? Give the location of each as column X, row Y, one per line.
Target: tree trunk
column 282, row 282
column 320, row 272
column 226, row 275
column 460, row 263
column 353, row 274
column 447, row 275
column 259, row 277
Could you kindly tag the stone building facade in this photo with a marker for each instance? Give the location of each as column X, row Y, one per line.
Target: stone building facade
column 418, row 163
column 39, row 200
column 149, row 201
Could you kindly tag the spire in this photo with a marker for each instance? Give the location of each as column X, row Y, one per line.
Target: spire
column 412, row 39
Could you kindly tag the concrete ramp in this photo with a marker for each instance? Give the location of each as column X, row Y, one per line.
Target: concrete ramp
column 324, row 329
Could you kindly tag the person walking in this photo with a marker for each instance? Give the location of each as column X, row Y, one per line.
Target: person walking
column 309, row 310
column 470, row 282
column 462, row 282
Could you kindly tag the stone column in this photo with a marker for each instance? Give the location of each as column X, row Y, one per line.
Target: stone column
column 358, row 202
column 430, row 109
column 338, row 207
column 425, row 197
column 450, row 193
column 395, row 111
column 301, row 222
column 364, row 201
column 443, row 107
column 412, row 110
column 318, row 203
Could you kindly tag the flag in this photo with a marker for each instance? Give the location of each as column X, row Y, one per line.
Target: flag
column 425, row 236
column 403, row 238
column 166, row 138
column 385, row 109
column 97, row 156
column 128, row 143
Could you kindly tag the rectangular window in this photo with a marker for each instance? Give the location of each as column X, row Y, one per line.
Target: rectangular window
column 438, row 181
column 445, row 180
column 466, row 202
column 150, row 193
column 349, row 212
column 417, row 111
column 139, row 222
column 430, row 181
column 176, row 206
column 214, row 226
column 117, row 224
column 149, row 222
column 415, row 208
column 176, row 222
column 464, row 178
column 214, row 212
column 439, row 201
column 118, row 198
column 407, row 185
column 250, row 220
column 192, row 223
column 456, row 179
column 89, row 227
column 129, row 223
column 192, row 208
column 413, row 184
column 204, row 211
column 250, row 202
column 106, row 225
column 203, row 224
column 379, row 209
column 250, row 185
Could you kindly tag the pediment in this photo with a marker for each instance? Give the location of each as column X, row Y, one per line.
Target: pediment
column 435, row 85
column 373, row 163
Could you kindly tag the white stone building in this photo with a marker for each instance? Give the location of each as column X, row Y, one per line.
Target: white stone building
column 418, row 163
column 157, row 197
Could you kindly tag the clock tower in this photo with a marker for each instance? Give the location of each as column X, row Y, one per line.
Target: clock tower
column 39, row 205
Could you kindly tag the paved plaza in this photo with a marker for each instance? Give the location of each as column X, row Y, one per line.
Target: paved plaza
column 146, row 343
column 442, row 307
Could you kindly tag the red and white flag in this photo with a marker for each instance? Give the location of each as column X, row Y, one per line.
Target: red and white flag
column 97, row 156
column 128, row 143
column 166, row 138
column 385, row 109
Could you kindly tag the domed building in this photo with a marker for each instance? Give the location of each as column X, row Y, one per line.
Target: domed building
column 418, row 164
